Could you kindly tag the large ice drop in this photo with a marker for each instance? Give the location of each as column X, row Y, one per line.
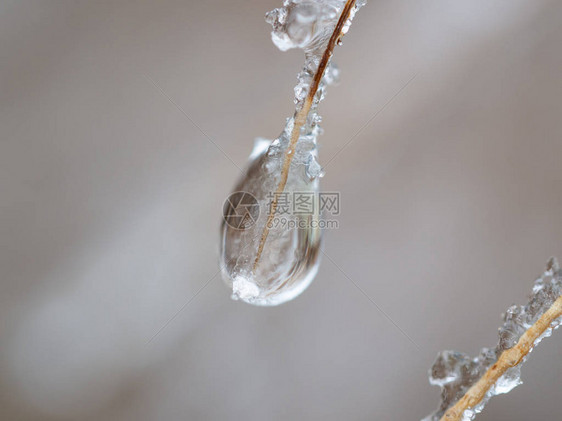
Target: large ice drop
column 290, row 257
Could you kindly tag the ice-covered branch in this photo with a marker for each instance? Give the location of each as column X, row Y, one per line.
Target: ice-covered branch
column 467, row 384
column 269, row 255
column 313, row 31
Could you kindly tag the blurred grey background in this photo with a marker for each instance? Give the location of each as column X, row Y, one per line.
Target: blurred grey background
column 111, row 197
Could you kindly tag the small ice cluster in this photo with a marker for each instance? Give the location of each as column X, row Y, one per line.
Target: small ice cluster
column 309, row 24
column 456, row 372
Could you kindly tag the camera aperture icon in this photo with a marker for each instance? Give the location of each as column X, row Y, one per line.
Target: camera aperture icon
column 241, row 210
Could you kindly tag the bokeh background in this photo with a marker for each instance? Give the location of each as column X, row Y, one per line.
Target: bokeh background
column 111, row 196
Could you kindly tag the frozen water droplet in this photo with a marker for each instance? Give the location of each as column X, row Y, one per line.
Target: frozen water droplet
column 313, row 168
column 511, row 379
column 290, row 257
column 260, row 146
column 305, row 24
column 274, row 149
column 332, row 74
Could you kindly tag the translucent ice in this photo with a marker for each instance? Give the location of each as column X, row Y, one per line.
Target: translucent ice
column 289, row 259
column 305, row 24
column 309, row 24
column 456, row 372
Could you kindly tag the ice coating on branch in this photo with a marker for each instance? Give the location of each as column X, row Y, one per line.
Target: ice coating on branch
column 456, row 372
column 309, row 24
column 290, row 256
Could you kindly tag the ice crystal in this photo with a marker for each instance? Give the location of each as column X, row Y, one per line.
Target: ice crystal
column 456, row 372
column 309, row 24
column 306, row 24
column 289, row 259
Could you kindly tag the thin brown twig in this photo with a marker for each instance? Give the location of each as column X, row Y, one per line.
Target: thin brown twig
column 300, row 119
column 509, row 358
